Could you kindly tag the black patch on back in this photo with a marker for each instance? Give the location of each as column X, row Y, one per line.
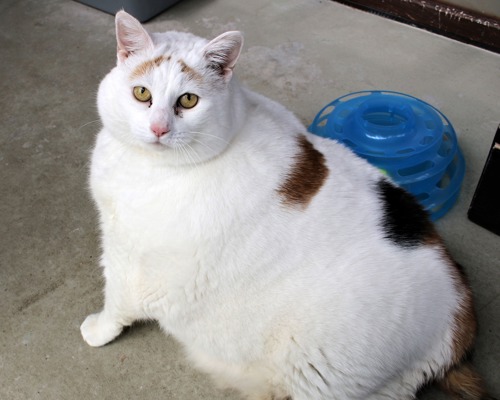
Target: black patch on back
column 404, row 221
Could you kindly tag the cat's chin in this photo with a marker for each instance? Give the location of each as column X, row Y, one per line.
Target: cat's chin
column 158, row 147
column 164, row 143
column 152, row 145
column 156, row 144
column 172, row 154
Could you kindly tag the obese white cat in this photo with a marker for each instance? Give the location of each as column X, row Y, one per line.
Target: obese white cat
column 287, row 267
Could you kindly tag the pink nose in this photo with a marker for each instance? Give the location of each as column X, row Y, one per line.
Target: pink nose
column 160, row 129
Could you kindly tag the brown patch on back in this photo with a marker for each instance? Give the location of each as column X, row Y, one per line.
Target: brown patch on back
column 460, row 379
column 192, row 74
column 148, row 66
column 465, row 329
column 308, row 174
column 432, row 238
column 465, row 321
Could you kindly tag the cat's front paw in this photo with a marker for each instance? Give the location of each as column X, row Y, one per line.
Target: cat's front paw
column 97, row 330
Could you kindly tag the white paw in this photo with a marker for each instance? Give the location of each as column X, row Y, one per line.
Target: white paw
column 97, row 331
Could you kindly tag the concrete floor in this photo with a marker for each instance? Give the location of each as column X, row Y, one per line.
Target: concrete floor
column 303, row 53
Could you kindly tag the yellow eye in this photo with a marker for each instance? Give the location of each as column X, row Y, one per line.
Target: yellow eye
column 142, row 94
column 188, row 100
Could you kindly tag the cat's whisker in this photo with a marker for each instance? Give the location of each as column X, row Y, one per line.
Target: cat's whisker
column 183, row 157
column 182, row 152
column 211, row 136
column 205, row 145
column 89, row 123
column 84, row 166
column 193, row 153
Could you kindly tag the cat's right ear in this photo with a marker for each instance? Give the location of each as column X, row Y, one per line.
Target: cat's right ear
column 131, row 37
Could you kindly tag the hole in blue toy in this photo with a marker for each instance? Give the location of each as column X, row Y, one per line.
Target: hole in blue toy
column 418, row 112
column 430, row 125
column 422, row 196
column 427, row 140
column 406, row 151
column 444, row 182
column 447, row 178
column 375, row 153
column 384, row 118
column 327, row 111
column 344, row 113
column 352, row 96
column 416, row 169
column 446, row 146
column 322, row 123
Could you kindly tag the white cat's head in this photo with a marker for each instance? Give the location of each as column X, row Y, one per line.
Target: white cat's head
column 171, row 93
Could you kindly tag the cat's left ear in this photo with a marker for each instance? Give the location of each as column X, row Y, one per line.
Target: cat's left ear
column 131, row 37
column 222, row 53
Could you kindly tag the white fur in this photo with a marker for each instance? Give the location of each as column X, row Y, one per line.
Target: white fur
column 264, row 296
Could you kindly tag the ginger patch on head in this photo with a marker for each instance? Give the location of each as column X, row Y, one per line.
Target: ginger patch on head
column 147, row 66
column 190, row 72
column 307, row 175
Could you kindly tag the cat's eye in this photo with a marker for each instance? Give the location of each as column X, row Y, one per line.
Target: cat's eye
column 187, row 100
column 142, row 94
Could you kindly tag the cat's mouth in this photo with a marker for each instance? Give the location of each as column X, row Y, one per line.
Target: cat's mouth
column 165, row 142
column 159, row 145
column 156, row 144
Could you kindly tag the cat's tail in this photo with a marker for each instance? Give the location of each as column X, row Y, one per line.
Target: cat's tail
column 464, row 383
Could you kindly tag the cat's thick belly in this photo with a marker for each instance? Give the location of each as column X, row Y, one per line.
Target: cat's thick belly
column 335, row 329
column 260, row 292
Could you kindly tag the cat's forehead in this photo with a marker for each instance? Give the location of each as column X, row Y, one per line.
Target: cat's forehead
column 177, row 51
column 162, row 63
